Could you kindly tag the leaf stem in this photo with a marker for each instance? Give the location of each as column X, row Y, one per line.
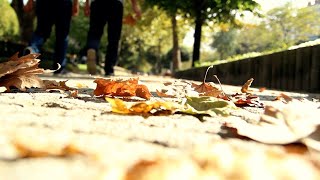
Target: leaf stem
column 205, row 76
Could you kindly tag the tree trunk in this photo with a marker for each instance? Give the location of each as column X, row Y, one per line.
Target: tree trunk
column 176, row 50
column 25, row 20
column 197, row 39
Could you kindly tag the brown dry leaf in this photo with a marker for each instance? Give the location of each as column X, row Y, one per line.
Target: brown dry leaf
column 21, row 72
column 142, row 108
column 73, row 93
column 51, row 84
column 163, row 94
column 163, row 168
column 245, row 87
column 207, row 89
column 15, row 63
column 22, row 82
column 30, row 152
column 243, row 100
column 262, row 89
column 123, row 88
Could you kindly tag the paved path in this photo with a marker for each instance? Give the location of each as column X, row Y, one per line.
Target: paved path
column 49, row 135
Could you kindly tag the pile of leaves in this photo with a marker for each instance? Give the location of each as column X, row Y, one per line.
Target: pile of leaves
column 197, row 99
column 22, row 73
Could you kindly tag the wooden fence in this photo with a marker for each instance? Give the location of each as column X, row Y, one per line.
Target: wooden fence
column 291, row 70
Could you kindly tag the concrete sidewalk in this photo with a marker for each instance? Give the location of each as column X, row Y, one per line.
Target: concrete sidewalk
column 49, row 135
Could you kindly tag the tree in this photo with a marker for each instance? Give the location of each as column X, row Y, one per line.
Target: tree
column 217, row 11
column 289, row 26
column 144, row 43
column 171, row 7
column 225, row 42
column 295, row 25
column 8, row 22
column 203, row 11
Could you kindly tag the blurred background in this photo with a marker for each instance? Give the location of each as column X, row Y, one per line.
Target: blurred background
column 181, row 34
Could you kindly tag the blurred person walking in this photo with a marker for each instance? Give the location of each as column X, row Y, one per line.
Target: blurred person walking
column 104, row 12
column 49, row 13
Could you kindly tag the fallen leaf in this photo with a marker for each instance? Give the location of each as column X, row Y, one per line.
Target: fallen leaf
column 30, row 152
column 15, row 63
column 245, row 87
column 242, row 100
column 282, row 123
column 208, row 105
column 207, row 89
column 262, row 89
column 142, row 108
column 163, row 168
column 163, row 94
column 22, row 82
column 73, row 93
column 51, row 84
column 123, row 88
column 21, row 72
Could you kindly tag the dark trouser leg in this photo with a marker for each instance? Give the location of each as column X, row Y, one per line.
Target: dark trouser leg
column 45, row 22
column 97, row 23
column 63, row 19
column 115, row 15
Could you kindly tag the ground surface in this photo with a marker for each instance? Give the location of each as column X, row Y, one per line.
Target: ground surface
column 49, row 135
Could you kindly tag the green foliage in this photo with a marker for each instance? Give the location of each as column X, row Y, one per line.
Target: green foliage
column 146, row 42
column 225, row 43
column 288, row 26
column 9, row 25
column 202, row 11
column 280, row 29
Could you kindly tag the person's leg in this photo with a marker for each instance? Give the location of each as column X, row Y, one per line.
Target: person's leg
column 115, row 15
column 44, row 26
column 62, row 25
column 97, row 23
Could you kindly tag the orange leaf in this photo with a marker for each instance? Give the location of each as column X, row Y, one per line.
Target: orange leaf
column 142, row 108
column 245, row 87
column 124, row 88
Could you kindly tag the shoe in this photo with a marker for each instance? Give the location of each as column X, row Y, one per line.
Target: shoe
column 92, row 61
column 28, row 50
column 109, row 74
